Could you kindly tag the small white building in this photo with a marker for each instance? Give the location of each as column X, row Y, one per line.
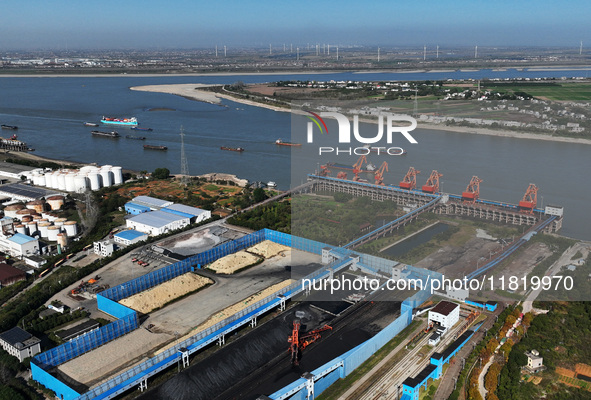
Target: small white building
column 104, row 249
column 129, row 236
column 19, row 245
column 535, row 362
column 446, row 313
column 20, row 343
column 156, row 223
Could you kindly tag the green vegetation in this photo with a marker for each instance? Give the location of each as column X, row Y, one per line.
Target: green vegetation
column 337, row 219
column 40, row 164
column 161, row 173
column 38, row 326
column 276, row 216
column 562, row 337
column 547, row 90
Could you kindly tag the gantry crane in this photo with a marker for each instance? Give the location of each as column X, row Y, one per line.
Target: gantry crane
column 342, row 175
column 358, row 166
column 530, row 199
column 299, row 342
column 324, row 171
column 379, row 174
column 432, row 185
column 410, row 179
column 472, row 191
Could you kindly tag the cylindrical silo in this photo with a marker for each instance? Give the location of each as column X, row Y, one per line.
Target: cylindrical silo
column 61, row 181
column 55, row 202
column 80, row 183
column 60, row 221
column 52, row 232
column 21, row 213
column 106, row 175
column 71, row 228
column 43, row 228
column 95, row 181
column 62, row 240
column 32, row 226
column 42, row 181
column 35, row 178
column 117, row 175
column 26, row 218
column 36, row 205
column 37, row 218
column 53, row 180
column 50, row 216
column 11, row 210
column 70, row 182
column 20, row 229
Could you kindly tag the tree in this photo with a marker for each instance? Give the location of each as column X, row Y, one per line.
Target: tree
column 161, row 173
column 259, row 195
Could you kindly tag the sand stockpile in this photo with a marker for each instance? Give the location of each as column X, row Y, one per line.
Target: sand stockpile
column 268, row 249
column 158, row 296
column 233, row 309
column 233, row 262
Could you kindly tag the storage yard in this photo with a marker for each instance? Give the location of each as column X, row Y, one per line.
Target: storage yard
column 234, row 262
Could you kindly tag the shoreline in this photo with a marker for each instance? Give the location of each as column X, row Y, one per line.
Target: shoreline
column 191, row 91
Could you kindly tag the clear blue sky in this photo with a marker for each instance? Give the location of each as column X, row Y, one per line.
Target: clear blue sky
column 197, row 24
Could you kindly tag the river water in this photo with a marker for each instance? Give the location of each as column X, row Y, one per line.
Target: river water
column 50, row 111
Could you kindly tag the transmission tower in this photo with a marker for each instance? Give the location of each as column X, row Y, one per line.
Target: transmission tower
column 184, row 163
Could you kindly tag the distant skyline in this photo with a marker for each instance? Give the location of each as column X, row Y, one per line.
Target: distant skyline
column 60, row 24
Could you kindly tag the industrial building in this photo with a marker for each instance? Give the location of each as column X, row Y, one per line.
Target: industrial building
column 135, row 209
column 19, row 245
column 156, row 223
column 129, row 236
column 104, row 249
column 10, row 275
column 20, row 343
column 445, row 313
column 15, row 171
column 22, row 192
column 195, row 214
column 152, row 203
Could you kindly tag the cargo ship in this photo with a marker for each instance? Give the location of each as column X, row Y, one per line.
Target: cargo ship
column 280, row 142
column 154, row 147
column 332, row 165
column 120, row 121
column 238, row 149
column 10, row 127
column 135, row 137
column 137, row 128
column 90, row 124
column 112, row 134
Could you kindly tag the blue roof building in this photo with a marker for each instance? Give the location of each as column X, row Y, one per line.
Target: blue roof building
column 129, row 236
column 135, row 209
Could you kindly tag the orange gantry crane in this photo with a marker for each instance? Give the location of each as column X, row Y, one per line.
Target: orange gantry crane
column 342, row 175
column 299, row 342
column 432, row 185
column 472, row 191
column 324, row 171
column 379, row 174
column 410, row 179
column 358, row 166
column 530, row 199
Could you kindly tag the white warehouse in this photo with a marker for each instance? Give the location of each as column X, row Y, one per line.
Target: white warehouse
column 445, row 313
column 157, row 222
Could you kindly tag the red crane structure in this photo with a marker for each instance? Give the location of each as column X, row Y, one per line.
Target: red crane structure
column 342, row 175
column 299, row 342
column 379, row 174
column 410, row 179
column 357, row 167
column 530, row 199
column 472, row 191
column 432, row 185
column 324, row 171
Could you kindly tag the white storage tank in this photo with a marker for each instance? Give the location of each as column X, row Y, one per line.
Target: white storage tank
column 70, row 182
column 70, row 228
column 117, row 175
column 106, row 175
column 95, row 181
column 86, row 169
column 20, row 229
column 59, row 222
column 55, row 202
column 42, row 180
column 61, row 182
column 62, row 240
column 11, row 210
column 51, row 179
column 80, row 182
column 52, row 232
column 43, row 228
column 32, row 227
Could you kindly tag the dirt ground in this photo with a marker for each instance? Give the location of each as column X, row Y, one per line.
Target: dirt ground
column 166, row 292
column 458, row 261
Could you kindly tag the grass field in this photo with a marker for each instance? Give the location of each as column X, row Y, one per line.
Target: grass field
column 565, row 91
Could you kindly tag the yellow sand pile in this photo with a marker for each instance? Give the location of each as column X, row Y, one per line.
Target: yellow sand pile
column 268, row 249
column 158, row 296
column 233, row 262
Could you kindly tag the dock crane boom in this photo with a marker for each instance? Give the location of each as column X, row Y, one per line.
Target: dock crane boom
column 432, row 185
column 357, row 167
column 379, row 175
column 530, row 199
column 409, row 181
column 472, row 191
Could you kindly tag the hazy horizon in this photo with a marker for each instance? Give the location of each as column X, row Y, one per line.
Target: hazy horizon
column 38, row 24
